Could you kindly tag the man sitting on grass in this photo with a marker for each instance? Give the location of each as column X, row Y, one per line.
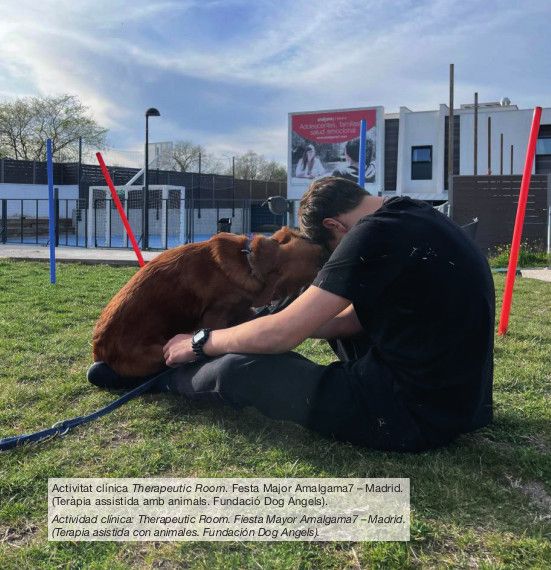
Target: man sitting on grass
column 406, row 300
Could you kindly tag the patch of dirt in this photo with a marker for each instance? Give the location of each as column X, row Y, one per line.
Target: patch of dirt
column 537, row 495
column 120, row 437
column 167, row 565
column 17, row 536
column 539, row 443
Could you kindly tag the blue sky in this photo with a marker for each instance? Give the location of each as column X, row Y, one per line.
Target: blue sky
column 226, row 73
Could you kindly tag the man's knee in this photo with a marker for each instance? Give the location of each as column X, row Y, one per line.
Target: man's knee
column 212, row 377
column 230, row 372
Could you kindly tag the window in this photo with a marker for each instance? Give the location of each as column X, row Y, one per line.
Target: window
column 421, row 162
column 543, row 146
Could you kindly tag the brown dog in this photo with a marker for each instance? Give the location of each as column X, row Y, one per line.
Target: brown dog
column 211, row 284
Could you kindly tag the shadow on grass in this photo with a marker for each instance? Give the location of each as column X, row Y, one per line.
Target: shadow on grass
column 468, row 481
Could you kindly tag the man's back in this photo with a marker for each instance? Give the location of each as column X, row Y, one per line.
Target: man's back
column 424, row 294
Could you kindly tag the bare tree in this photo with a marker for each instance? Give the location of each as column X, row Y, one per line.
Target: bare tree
column 274, row 171
column 253, row 166
column 186, row 158
column 186, row 155
column 249, row 166
column 26, row 123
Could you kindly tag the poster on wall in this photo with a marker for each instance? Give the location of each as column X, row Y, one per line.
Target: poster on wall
column 327, row 143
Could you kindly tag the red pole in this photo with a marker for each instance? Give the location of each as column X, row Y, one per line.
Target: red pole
column 120, row 209
column 519, row 222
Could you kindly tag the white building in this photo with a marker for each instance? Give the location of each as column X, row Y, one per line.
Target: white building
column 416, row 146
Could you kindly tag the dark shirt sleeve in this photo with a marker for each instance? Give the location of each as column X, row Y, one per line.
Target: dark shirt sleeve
column 362, row 265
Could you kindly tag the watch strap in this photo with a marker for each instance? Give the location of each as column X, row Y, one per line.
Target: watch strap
column 197, row 346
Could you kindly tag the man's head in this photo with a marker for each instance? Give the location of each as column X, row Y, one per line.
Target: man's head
column 352, row 151
column 324, row 208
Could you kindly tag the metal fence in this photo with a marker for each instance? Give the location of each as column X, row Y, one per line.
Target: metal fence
column 174, row 220
column 26, row 221
column 493, row 200
column 217, row 186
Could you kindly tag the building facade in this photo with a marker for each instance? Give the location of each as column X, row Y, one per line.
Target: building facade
column 416, row 146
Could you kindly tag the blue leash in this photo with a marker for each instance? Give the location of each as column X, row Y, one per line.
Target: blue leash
column 64, row 426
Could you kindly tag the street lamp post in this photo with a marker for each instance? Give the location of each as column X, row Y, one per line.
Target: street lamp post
column 151, row 112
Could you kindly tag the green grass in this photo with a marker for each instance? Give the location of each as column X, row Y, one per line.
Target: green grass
column 529, row 256
column 482, row 502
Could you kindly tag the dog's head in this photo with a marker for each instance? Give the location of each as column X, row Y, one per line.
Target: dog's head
column 288, row 261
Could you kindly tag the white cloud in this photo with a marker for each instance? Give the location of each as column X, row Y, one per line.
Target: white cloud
column 310, row 54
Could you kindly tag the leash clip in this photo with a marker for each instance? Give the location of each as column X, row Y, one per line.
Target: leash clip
column 62, row 426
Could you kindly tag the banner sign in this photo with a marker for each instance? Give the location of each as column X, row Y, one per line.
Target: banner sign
column 326, row 143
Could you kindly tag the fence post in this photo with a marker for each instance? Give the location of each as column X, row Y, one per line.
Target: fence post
column 4, row 233
column 548, row 219
column 184, row 216
column 166, row 222
column 549, row 236
column 108, row 222
column 86, row 211
column 127, row 212
column 164, row 217
column 56, row 206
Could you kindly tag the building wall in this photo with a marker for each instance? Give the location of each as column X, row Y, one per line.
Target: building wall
column 420, row 128
column 515, row 126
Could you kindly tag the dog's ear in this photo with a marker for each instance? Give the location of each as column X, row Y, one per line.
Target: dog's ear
column 283, row 235
column 228, row 254
column 264, row 255
column 300, row 261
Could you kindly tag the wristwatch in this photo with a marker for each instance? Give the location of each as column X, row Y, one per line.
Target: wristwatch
column 198, row 341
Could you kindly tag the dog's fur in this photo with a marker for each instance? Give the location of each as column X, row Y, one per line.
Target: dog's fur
column 210, row 284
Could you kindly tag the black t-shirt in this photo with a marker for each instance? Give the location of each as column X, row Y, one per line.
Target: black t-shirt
column 424, row 295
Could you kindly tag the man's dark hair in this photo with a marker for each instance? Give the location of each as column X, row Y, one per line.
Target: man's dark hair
column 327, row 197
column 353, row 149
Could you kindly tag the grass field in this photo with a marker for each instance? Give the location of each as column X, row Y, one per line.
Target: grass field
column 529, row 256
column 483, row 502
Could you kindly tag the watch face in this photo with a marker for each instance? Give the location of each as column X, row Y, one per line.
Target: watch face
column 199, row 336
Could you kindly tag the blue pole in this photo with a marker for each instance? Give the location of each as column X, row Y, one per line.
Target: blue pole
column 361, row 158
column 51, row 209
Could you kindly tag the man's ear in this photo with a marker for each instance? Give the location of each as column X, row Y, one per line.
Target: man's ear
column 334, row 226
column 328, row 223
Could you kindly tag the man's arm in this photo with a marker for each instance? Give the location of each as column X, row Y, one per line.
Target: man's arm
column 344, row 324
column 266, row 335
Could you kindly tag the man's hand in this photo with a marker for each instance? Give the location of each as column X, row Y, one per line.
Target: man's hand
column 178, row 350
